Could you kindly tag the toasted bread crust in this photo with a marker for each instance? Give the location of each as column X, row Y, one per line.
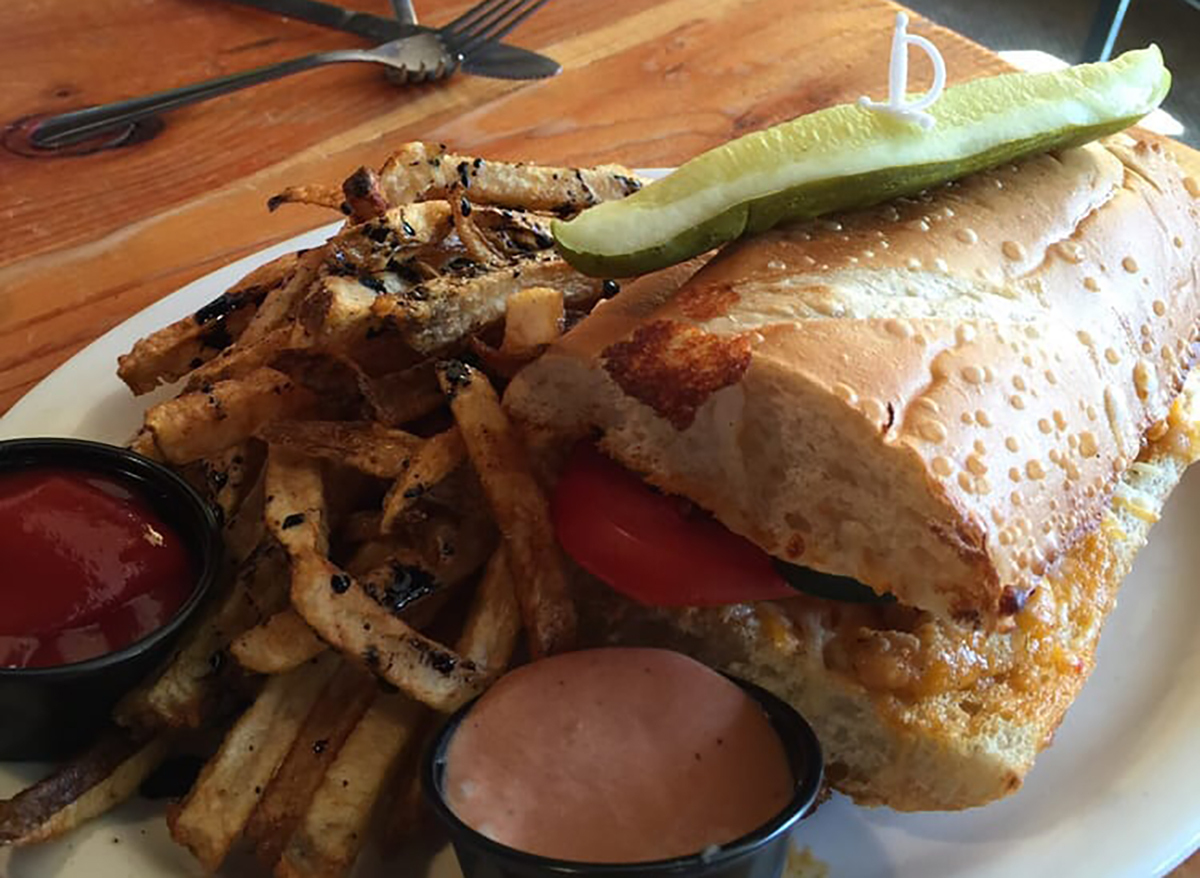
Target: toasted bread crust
column 915, row 712
column 941, row 393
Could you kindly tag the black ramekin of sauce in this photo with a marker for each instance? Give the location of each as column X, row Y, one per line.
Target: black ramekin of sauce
column 759, row 852
column 104, row 556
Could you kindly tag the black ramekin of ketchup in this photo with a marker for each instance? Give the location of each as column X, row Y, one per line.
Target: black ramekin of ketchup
column 104, row 556
column 622, row 763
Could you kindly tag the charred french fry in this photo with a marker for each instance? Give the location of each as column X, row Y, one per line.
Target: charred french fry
column 317, row 196
column 418, row 171
column 433, row 461
column 334, row 715
column 281, row 302
column 201, row 424
column 182, row 695
column 346, row 617
column 451, row 308
column 295, row 504
column 377, row 244
column 521, row 509
column 400, row 398
column 215, row 812
column 101, row 777
column 175, row 350
column 366, row 446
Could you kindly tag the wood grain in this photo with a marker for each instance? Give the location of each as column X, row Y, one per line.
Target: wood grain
column 86, row 241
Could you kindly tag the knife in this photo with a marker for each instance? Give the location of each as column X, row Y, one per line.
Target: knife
column 495, row 60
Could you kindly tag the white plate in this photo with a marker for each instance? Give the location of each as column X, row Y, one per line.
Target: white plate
column 1118, row 795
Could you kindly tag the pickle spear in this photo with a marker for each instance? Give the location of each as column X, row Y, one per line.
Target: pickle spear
column 850, row 156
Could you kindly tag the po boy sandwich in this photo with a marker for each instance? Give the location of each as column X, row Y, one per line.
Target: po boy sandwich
column 972, row 402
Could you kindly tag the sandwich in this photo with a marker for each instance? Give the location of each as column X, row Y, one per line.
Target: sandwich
column 973, row 402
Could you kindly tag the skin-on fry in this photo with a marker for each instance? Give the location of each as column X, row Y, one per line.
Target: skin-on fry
column 364, row 198
column 451, row 308
column 493, row 625
column 372, row 245
column 295, row 504
column 200, row 424
column 364, row 445
column 103, row 776
column 214, row 813
column 399, row 398
column 329, row 837
column 347, row 696
column 342, row 613
column 231, row 475
column 182, row 695
column 479, row 248
column 279, row 644
column 418, row 171
column 521, row 509
column 173, row 351
column 433, row 461
column 279, row 304
column 242, row 359
column 316, row 195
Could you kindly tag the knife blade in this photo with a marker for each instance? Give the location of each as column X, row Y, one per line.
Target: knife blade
column 495, row 60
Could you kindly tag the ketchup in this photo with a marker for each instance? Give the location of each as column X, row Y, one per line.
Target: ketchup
column 86, row 567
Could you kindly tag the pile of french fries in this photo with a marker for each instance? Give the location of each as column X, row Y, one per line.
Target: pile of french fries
column 386, row 543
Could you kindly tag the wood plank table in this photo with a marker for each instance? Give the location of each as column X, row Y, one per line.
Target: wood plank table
column 87, row 240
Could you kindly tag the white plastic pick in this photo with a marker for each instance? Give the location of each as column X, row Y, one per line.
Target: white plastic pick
column 897, row 104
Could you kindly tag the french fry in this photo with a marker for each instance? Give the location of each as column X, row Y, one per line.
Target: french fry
column 317, row 195
column 479, row 248
column 433, row 461
column 295, row 502
column 336, row 712
column 279, row 304
column 231, row 475
column 418, row 171
column 242, row 359
column 201, row 424
column 521, row 509
column 214, row 813
column 364, row 198
column 344, row 616
column 143, row 443
column 328, row 839
column 182, row 695
column 451, row 308
column 245, row 530
column 400, row 398
column 171, row 352
column 277, row 645
column 365, row 445
column 493, row 624
column 103, row 776
column 374, row 245
column 532, row 319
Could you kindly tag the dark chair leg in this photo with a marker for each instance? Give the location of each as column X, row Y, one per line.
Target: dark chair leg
column 1105, row 27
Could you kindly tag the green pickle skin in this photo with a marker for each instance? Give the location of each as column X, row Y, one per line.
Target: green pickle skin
column 821, row 196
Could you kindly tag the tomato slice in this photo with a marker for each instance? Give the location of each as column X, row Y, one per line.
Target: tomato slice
column 656, row 549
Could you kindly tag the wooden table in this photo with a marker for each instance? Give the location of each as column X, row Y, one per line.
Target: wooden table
column 86, row 241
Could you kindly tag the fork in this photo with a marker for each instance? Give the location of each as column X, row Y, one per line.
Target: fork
column 423, row 57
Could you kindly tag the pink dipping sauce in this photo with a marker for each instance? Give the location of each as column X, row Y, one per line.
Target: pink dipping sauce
column 616, row 756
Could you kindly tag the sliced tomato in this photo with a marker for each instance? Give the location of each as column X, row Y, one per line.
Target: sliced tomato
column 656, row 549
